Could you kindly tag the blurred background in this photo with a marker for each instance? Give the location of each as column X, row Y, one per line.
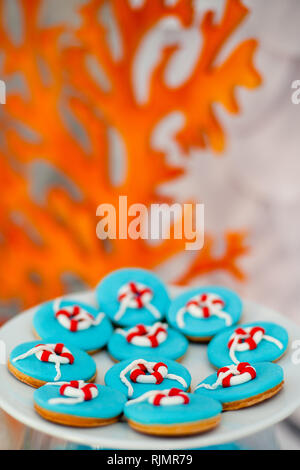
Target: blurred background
column 160, row 101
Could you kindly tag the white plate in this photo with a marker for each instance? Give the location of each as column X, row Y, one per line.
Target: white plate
column 16, row 397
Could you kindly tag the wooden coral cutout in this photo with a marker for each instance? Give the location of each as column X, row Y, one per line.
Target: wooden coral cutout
column 58, row 236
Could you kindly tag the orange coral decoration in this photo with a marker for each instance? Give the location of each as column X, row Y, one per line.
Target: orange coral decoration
column 206, row 262
column 42, row 240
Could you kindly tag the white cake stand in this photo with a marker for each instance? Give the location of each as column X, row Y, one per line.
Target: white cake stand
column 16, row 398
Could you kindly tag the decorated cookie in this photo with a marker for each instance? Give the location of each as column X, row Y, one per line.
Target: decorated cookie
column 36, row 363
column 132, row 296
column 77, row 403
column 74, row 323
column 158, row 340
column 172, row 412
column 242, row 385
column 252, row 342
column 135, row 377
column 203, row 312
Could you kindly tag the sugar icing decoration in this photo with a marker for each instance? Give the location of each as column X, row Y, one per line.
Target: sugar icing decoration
column 145, row 372
column 204, row 306
column 147, row 336
column 248, row 338
column 135, row 295
column 232, row 375
column 169, row 397
column 75, row 391
column 55, row 353
column 75, row 318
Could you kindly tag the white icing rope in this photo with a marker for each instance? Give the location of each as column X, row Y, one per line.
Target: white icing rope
column 135, row 295
column 203, row 306
column 247, row 339
column 168, row 397
column 75, row 318
column 147, row 336
column 146, row 372
column 75, row 391
column 56, row 353
column 232, row 375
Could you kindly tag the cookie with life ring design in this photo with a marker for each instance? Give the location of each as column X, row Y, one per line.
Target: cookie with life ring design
column 38, row 362
column 131, row 296
column 73, row 322
column 202, row 312
column 241, row 385
column 251, row 342
column 80, row 404
column 158, row 340
column 172, row 412
column 133, row 377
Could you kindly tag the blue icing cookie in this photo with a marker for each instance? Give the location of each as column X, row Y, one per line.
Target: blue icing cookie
column 133, row 377
column 172, row 412
column 131, row 296
column 268, row 376
column 141, row 340
column 202, row 312
column 70, row 363
column 267, row 345
column 74, row 323
column 90, row 401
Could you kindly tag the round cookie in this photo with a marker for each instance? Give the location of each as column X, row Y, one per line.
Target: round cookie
column 133, row 377
column 157, row 340
column 202, row 312
column 252, row 342
column 242, row 385
column 74, row 323
column 172, row 413
column 78, row 403
column 36, row 363
column 133, row 295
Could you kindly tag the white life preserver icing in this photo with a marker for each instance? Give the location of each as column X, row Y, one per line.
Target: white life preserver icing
column 204, row 306
column 75, row 318
column 135, row 295
column 56, row 353
column 147, row 336
column 169, row 397
column 142, row 371
column 232, row 375
column 75, row 391
column 247, row 339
